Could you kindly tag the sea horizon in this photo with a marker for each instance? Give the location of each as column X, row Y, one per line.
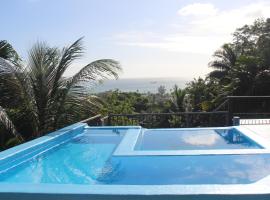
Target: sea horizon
column 141, row 85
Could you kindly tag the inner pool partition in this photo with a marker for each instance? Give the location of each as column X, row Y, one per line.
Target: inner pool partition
column 130, row 162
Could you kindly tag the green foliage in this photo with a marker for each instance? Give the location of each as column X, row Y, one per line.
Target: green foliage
column 243, row 66
column 124, row 102
column 177, row 98
column 38, row 98
column 8, row 124
column 118, row 102
column 12, row 142
column 203, row 93
column 7, row 52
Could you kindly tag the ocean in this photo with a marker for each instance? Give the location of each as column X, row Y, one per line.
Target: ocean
column 141, row 85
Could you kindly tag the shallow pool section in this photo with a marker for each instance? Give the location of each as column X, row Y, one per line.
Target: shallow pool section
column 196, row 139
column 85, row 160
column 191, row 141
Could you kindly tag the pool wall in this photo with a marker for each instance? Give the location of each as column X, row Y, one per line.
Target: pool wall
column 122, row 192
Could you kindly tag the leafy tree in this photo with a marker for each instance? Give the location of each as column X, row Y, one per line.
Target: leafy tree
column 204, row 93
column 117, row 102
column 243, row 66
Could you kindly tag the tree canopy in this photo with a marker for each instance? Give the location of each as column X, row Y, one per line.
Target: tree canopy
column 242, row 67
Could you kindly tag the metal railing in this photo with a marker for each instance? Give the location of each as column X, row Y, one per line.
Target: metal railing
column 249, row 107
column 170, row 120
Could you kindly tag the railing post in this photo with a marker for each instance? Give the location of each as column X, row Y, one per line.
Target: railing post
column 210, row 120
column 227, row 119
column 109, row 119
column 102, row 122
column 236, row 121
column 187, row 120
column 230, row 111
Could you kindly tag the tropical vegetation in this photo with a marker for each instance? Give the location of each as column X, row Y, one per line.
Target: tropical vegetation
column 37, row 97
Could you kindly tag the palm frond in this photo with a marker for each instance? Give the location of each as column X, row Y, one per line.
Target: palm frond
column 68, row 55
column 224, row 61
column 42, row 63
column 9, row 126
column 96, row 71
column 15, row 81
column 217, row 74
column 220, row 65
column 76, row 85
column 15, row 78
column 76, row 109
column 7, row 52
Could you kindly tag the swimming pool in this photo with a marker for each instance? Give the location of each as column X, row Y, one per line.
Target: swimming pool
column 82, row 162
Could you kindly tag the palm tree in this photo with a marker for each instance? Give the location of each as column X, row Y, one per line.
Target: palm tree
column 224, row 61
column 7, row 52
column 178, row 95
column 48, row 99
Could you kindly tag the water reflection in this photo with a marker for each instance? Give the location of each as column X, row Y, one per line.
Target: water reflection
column 194, row 140
column 157, row 170
column 201, row 139
column 232, row 136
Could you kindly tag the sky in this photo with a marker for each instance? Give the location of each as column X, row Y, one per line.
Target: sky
column 150, row 38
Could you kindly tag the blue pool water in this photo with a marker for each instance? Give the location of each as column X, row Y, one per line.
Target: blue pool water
column 204, row 139
column 87, row 159
column 79, row 161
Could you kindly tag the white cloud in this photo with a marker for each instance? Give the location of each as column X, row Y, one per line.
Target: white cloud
column 199, row 28
column 179, row 43
column 226, row 21
column 198, row 9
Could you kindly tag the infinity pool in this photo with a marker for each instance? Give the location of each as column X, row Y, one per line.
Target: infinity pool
column 110, row 161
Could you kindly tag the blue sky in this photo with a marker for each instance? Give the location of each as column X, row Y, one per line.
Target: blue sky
column 151, row 38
